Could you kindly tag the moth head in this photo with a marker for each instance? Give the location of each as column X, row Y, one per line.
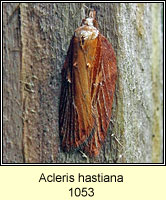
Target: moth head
column 89, row 28
column 90, row 20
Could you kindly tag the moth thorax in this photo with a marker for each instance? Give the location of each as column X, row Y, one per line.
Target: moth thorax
column 88, row 21
column 87, row 31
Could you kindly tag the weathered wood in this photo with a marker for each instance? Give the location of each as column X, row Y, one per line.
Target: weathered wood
column 35, row 42
column 12, row 102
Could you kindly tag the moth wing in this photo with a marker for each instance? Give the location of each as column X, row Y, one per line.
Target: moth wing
column 104, row 77
column 74, row 123
column 66, row 108
column 77, row 130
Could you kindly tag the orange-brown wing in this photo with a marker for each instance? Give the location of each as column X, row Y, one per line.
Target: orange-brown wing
column 88, row 84
column 66, row 109
column 103, row 77
column 76, row 122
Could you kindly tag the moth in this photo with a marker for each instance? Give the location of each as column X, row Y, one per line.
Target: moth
column 88, row 83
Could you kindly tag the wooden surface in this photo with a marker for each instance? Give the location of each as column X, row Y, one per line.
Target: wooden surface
column 36, row 37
